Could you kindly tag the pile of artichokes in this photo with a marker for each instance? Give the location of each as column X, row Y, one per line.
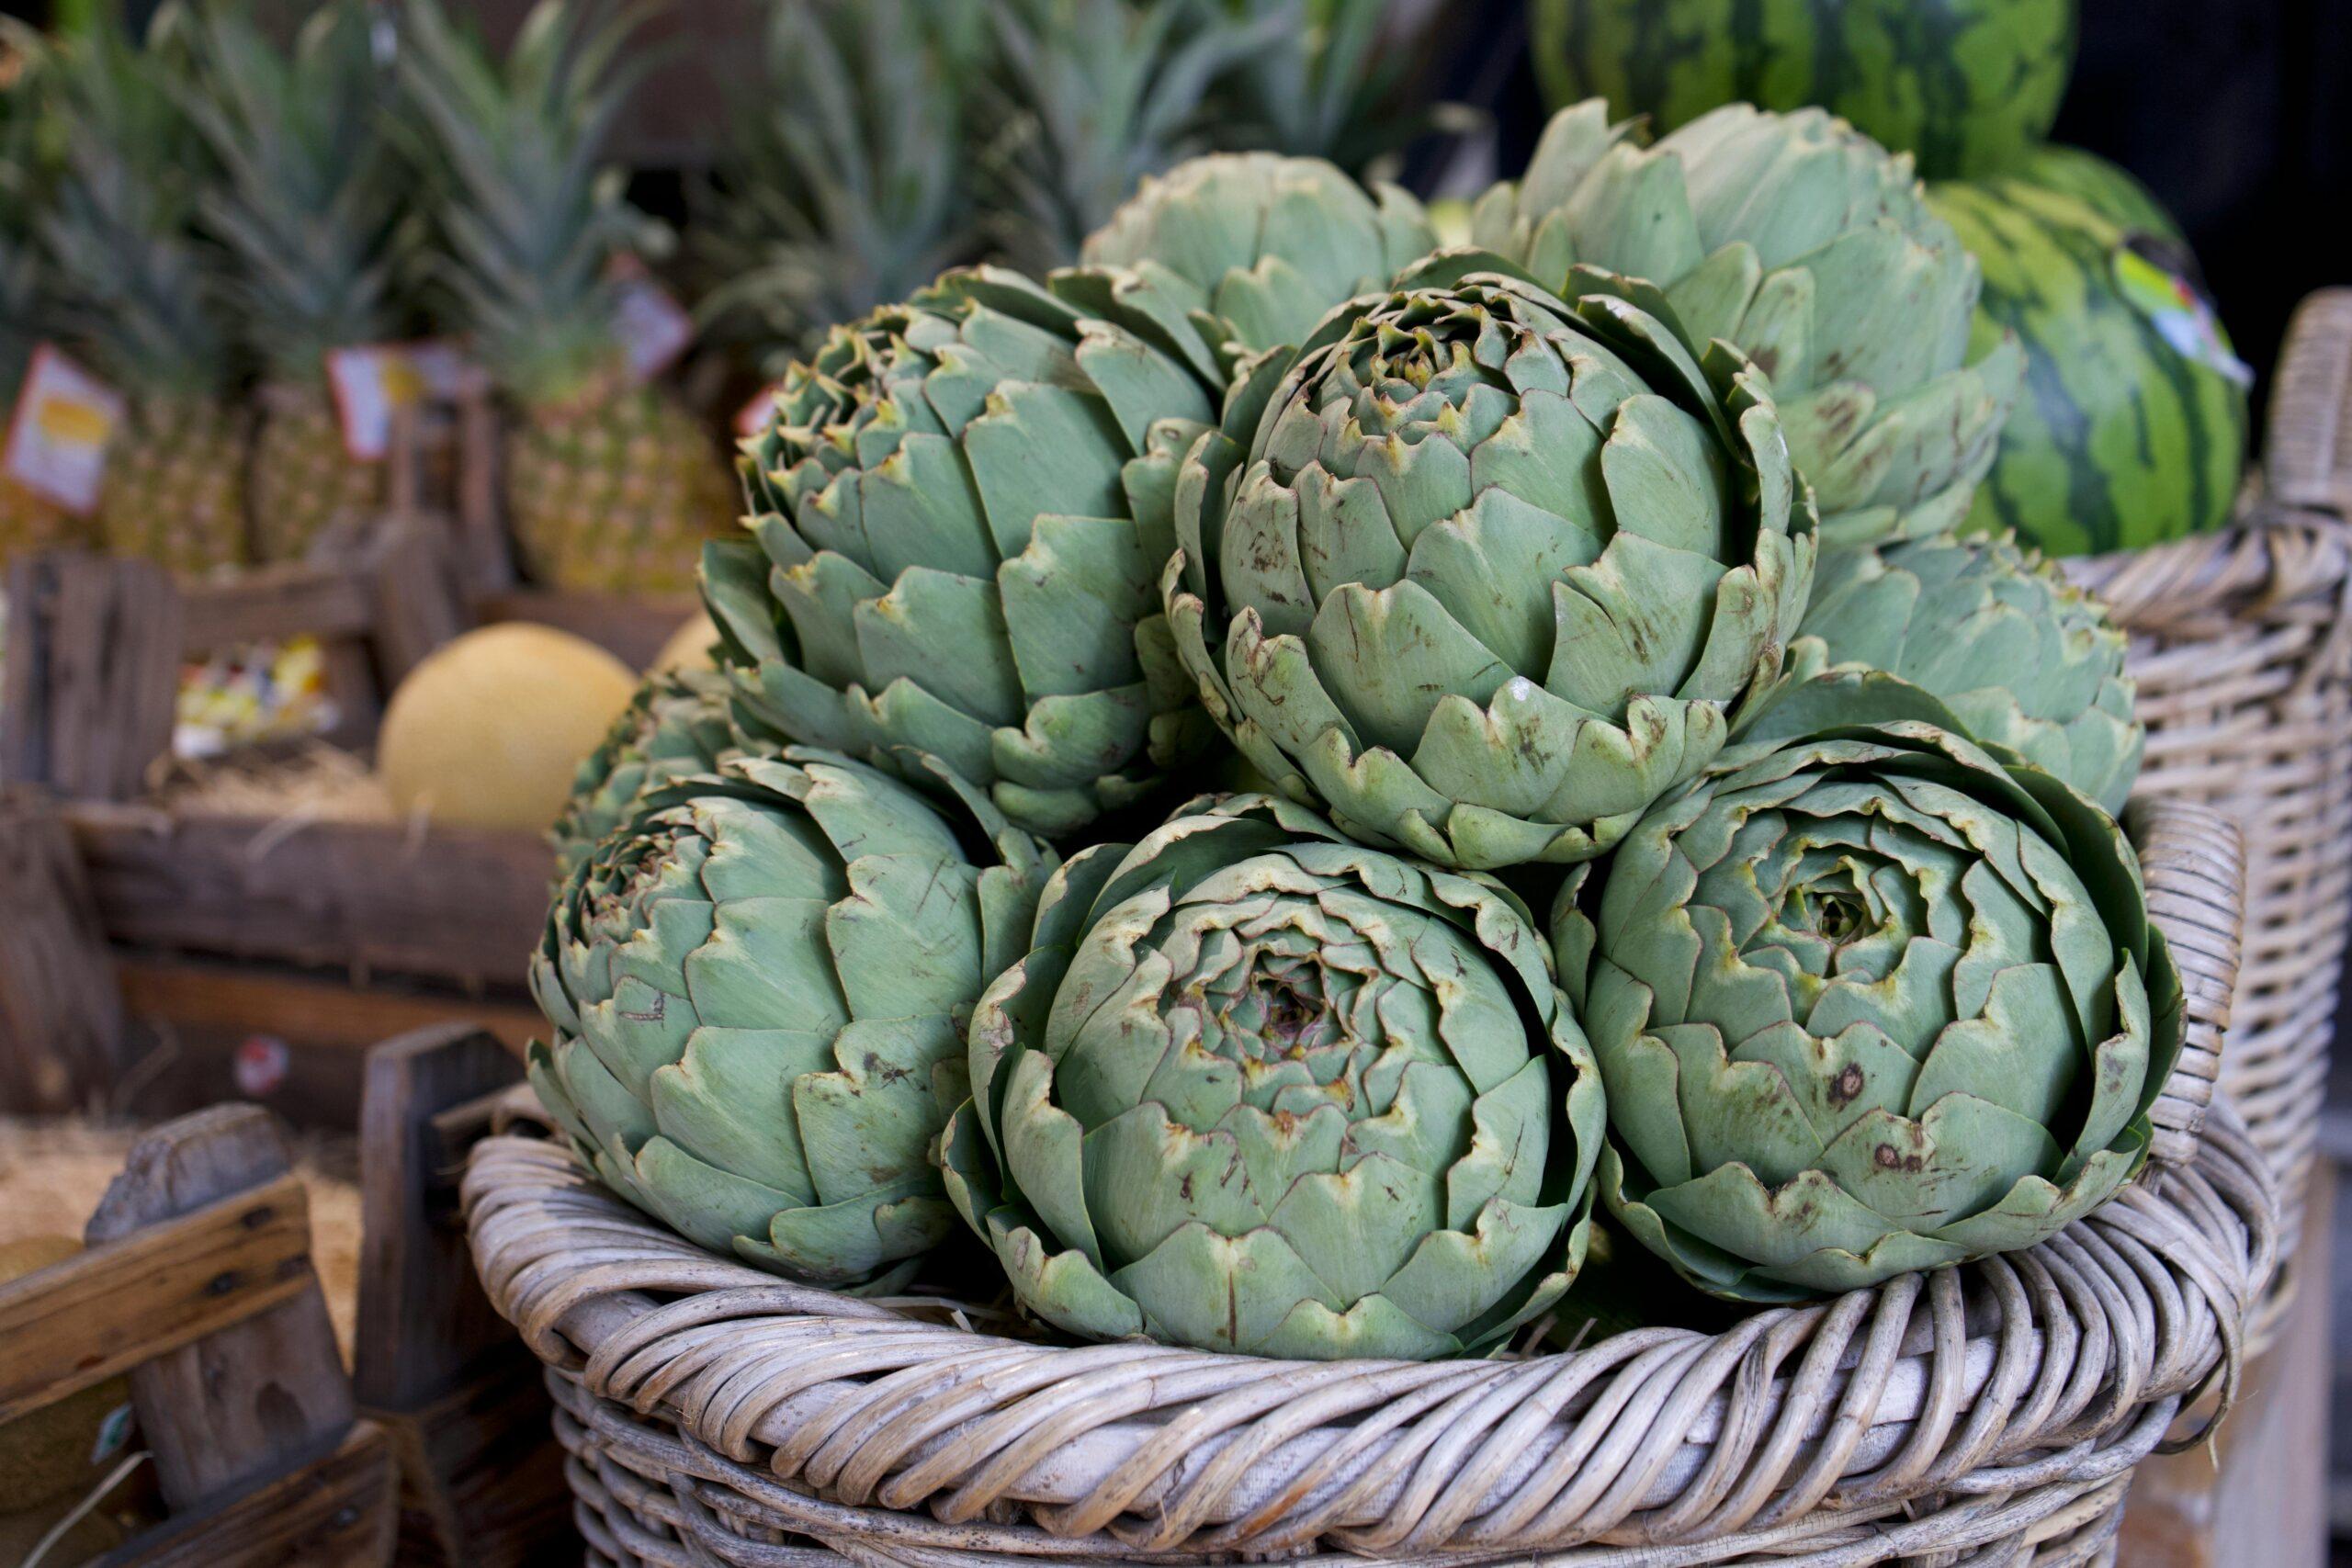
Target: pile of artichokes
column 1628, row 807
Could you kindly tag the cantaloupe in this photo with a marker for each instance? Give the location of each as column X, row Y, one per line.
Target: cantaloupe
column 688, row 648
column 487, row 731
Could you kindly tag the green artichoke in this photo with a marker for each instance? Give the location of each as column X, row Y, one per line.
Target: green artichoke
column 675, row 726
column 1876, row 1001
column 2010, row 650
column 1485, row 572
column 759, row 986
column 1259, row 1088
column 960, row 510
column 1258, row 247
column 1812, row 250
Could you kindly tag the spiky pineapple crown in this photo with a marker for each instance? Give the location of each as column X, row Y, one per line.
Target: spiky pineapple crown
column 311, row 204
column 845, row 183
column 1095, row 95
column 530, row 218
column 20, row 173
column 136, row 289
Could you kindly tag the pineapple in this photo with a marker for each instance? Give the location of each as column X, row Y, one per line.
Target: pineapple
column 845, row 183
column 310, row 210
column 28, row 521
column 609, row 485
column 1093, row 95
column 138, row 296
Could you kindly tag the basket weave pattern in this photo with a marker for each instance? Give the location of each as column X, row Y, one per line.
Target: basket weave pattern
column 2241, row 646
column 715, row 1414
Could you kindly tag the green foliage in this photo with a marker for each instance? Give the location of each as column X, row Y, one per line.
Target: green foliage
column 312, row 205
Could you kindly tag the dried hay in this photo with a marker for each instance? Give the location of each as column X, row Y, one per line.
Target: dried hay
column 53, row 1173
column 316, row 783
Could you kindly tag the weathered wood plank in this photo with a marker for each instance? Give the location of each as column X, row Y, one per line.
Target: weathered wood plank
column 465, row 905
column 631, row 629
column 271, row 604
column 94, row 663
column 246, row 1403
column 60, row 1011
column 114, row 1307
column 197, row 995
column 481, row 1478
column 334, row 1512
column 423, row 1319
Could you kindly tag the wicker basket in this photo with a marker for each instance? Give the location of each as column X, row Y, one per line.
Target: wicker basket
column 2243, row 649
column 714, row 1415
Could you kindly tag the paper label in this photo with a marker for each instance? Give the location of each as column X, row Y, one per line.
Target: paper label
column 262, row 1063
column 59, row 431
column 373, row 382
column 653, row 328
column 753, row 416
column 114, row 1434
column 2158, row 284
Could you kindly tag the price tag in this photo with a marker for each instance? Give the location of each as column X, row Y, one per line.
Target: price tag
column 653, row 328
column 261, row 1065
column 58, row 431
column 2158, row 284
column 374, row 382
column 753, row 416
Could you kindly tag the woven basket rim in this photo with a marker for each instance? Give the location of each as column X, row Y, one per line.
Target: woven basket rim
column 1957, row 1381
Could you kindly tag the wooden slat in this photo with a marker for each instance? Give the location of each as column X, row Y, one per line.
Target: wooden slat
column 423, row 1319
column 246, row 1403
column 334, row 1512
column 630, row 628
column 271, row 604
column 93, row 666
column 238, row 1000
column 117, row 1306
column 482, row 1481
column 60, row 1011
column 464, row 905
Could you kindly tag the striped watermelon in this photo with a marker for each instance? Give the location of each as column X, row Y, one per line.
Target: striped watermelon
column 2106, row 189
column 2123, row 436
column 1967, row 85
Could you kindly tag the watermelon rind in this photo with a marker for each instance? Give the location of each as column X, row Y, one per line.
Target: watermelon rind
column 1968, row 87
column 2120, row 439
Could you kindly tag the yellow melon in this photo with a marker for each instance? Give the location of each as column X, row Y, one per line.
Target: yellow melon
column 487, row 731
column 688, row 648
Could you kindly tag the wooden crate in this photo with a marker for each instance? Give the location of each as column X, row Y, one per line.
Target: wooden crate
column 256, row 955
column 199, row 1284
column 463, row 1400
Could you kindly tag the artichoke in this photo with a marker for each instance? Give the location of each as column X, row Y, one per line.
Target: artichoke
column 675, row 726
column 2007, row 650
column 758, row 986
column 1874, row 1001
column 1258, row 246
column 1811, row 249
column 960, row 507
column 1259, row 1088
column 1485, row 572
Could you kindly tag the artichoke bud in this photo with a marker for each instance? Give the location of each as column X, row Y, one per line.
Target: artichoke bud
column 2014, row 654
column 1875, row 1000
column 676, row 725
column 1255, row 247
column 759, row 984
column 959, row 512
column 1482, row 571
column 1258, row 1089
column 1812, row 249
